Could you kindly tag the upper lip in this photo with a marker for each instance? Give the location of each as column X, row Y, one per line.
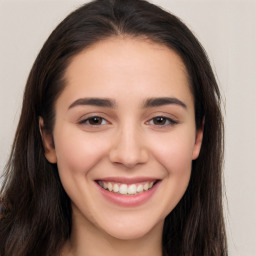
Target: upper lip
column 128, row 180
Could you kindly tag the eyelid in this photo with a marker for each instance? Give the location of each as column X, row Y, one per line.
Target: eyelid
column 171, row 121
column 85, row 119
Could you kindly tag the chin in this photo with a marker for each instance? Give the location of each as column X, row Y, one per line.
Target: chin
column 136, row 230
column 128, row 234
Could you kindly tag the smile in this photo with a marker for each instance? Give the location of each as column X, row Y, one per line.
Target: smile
column 128, row 192
column 127, row 189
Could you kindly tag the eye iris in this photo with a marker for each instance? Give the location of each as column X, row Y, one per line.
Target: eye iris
column 95, row 120
column 159, row 120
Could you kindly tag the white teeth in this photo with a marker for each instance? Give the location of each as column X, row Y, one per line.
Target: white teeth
column 110, row 187
column 139, row 188
column 145, row 187
column 132, row 189
column 116, row 188
column 105, row 185
column 125, row 189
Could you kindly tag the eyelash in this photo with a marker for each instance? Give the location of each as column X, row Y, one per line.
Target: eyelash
column 167, row 121
column 93, row 118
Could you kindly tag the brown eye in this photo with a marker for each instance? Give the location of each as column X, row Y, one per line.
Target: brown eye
column 159, row 120
column 162, row 121
column 94, row 121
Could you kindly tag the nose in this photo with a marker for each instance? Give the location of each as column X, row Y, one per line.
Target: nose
column 129, row 149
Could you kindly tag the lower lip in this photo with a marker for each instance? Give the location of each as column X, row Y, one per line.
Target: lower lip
column 129, row 200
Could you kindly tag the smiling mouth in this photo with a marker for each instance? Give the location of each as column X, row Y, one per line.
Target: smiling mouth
column 127, row 189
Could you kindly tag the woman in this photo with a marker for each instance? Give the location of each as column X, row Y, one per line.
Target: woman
column 120, row 141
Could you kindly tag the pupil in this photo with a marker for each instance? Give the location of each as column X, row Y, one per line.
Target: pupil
column 159, row 120
column 95, row 120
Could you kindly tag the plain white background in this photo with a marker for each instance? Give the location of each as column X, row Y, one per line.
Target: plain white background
column 227, row 30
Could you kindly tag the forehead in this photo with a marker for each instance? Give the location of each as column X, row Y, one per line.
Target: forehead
column 127, row 66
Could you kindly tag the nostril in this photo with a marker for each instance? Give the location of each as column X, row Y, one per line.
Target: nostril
column 128, row 158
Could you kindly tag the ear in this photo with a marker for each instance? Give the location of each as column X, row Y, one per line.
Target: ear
column 49, row 150
column 198, row 142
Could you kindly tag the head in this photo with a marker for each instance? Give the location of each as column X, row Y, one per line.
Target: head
column 199, row 209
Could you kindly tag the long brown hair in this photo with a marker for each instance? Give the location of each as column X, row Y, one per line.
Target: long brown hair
column 38, row 219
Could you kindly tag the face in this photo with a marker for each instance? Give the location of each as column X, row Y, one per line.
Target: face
column 124, row 136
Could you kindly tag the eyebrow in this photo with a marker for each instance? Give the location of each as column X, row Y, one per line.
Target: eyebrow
column 151, row 102
column 157, row 102
column 98, row 102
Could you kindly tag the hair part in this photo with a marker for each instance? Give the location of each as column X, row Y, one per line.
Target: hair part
column 39, row 220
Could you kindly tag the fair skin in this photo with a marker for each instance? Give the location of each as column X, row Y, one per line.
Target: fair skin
column 125, row 120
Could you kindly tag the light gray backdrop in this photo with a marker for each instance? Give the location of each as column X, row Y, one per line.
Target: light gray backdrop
column 226, row 28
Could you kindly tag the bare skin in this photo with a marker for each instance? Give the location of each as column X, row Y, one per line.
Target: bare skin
column 126, row 115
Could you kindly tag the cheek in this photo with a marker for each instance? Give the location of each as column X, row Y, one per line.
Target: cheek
column 175, row 152
column 175, row 155
column 77, row 151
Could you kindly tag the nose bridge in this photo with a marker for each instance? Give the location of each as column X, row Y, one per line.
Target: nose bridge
column 129, row 147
